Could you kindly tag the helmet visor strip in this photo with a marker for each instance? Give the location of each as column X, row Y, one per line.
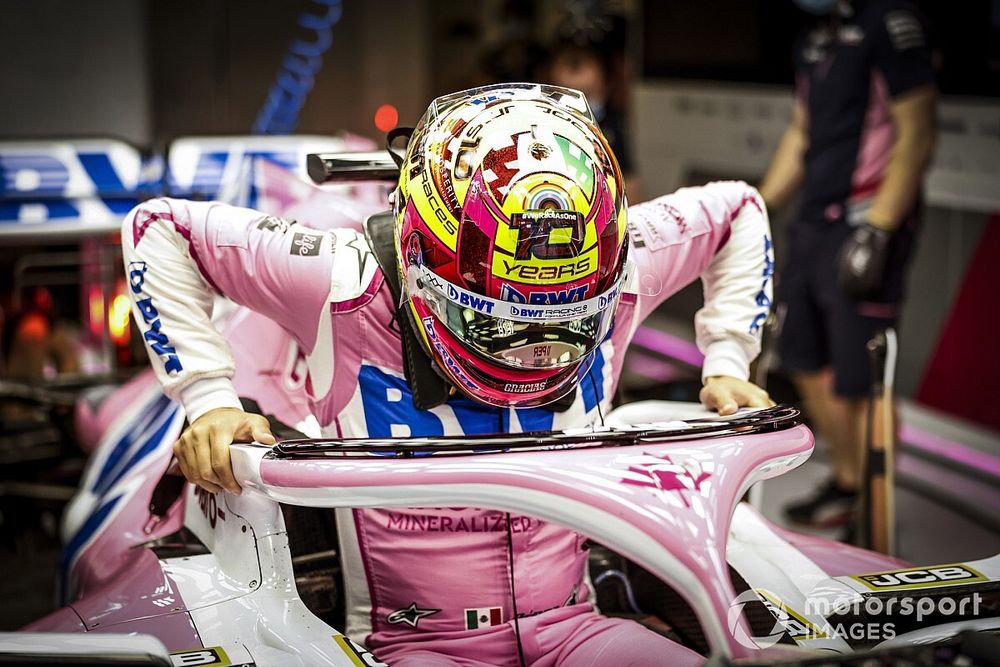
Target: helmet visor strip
column 518, row 335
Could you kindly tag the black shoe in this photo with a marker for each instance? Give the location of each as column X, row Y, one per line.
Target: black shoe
column 830, row 507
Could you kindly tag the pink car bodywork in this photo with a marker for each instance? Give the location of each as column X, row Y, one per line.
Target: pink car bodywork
column 666, row 505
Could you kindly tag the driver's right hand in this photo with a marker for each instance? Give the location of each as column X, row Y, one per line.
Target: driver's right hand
column 203, row 449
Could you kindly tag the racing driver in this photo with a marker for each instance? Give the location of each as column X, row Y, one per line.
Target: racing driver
column 499, row 295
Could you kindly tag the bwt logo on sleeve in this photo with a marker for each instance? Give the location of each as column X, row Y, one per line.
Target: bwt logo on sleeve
column 157, row 340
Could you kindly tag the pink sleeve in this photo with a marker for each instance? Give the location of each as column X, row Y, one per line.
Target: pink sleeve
column 177, row 253
column 719, row 233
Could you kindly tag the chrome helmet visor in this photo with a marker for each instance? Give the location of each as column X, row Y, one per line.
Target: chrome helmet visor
column 518, row 335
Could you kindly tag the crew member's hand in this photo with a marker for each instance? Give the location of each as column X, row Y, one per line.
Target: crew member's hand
column 862, row 260
column 727, row 394
column 203, row 449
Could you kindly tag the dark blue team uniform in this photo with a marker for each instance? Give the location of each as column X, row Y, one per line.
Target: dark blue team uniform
column 848, row 71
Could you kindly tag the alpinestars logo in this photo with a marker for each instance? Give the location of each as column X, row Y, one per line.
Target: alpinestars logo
column 410, row 615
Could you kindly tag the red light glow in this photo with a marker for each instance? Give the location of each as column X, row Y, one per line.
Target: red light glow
column 386, row 117
column 96, row 310
column 118, row 318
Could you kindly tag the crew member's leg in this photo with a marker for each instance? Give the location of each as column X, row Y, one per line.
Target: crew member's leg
column 838, row 400
column 804, row 347
column 836, row 418
column 856, row 324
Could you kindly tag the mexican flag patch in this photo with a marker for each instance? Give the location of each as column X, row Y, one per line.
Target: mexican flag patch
column 483, row 618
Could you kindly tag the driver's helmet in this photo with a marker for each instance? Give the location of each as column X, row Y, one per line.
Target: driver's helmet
column 510, row 233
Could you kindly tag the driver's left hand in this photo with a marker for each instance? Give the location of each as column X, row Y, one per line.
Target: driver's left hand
column 727, row 394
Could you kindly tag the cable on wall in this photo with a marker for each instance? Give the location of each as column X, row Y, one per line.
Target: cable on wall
column 280, row 113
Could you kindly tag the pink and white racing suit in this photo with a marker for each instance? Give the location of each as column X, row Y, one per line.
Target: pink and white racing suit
column 437, row 581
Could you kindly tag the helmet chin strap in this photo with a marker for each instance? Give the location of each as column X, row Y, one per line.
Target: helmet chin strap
column 391, row 137
column 428, row 386
column 562, row 404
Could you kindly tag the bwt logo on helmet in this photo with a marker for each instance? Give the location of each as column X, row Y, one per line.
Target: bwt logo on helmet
column 478, row 304
column 609, row 298
column 553, row 297
column 566, row 313
column 157, row 340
